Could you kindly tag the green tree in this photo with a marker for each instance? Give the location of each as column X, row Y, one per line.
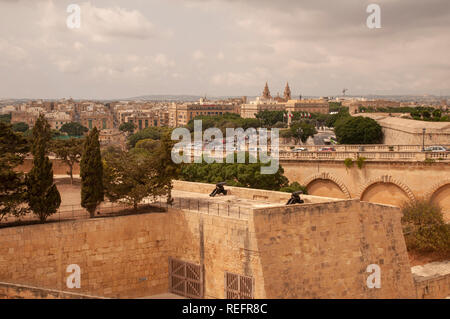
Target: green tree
column 152, row 132
column 358, row 130
column 20, row 127
column 161, row 160
column 294, row 187
column 69, row 151
column 91, row 173
column 300, row 131
column 146, row 170
column 5, row 118
column 73, row 129
column 235, row 174
column 43, row 196
column 127, row 127
column 426, row 114
column 333, row 118
column 437, row 114
column 128, row 176
column 424, row 227
column 148, row 144
column 13, row 148
column 270, row 118
column 335, row 106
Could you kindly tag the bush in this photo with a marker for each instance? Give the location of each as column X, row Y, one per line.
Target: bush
column 294, row 187
column 424, row 227
column 360, row 162
column 348, row 162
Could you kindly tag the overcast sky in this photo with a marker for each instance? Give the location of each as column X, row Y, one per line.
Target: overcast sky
column 222, row 47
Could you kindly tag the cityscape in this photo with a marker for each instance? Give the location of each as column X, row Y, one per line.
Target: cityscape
column 142, row 158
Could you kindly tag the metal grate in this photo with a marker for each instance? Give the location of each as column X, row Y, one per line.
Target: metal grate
column 238, row 287
column 185, row 279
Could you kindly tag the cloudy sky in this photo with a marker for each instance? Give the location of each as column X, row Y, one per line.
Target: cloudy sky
column 222, row 47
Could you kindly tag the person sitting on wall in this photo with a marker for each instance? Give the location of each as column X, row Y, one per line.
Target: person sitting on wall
column 219, row 189
column 295, row 198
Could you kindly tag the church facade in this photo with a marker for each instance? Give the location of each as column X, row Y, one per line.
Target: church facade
column 268, row 103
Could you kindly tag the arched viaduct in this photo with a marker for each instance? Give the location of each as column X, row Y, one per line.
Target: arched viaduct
column 379, row 182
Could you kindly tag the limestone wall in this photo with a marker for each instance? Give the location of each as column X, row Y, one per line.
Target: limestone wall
column 248, row 193
column 305, row 251
column 380, row 182
column 119, row 257
column 12, row 291
column 433, row 288
column 322, row 251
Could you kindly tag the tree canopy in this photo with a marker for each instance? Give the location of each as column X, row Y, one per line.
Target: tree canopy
column 424, row 227
column 73, row 129
column 20, row 127
column 358, row 130
column 224, row 121
column 235, row 174
column 43, row 196
column 13, row 148
column 151, row 132
column 127, row 127
column 270, row 118
column 69, row 151
column 300, row 130
column 145, row 171
column 91, row 173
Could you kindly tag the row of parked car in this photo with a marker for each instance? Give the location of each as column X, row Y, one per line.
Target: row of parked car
column 332, row 149
column 436, row 149
column 304, row 149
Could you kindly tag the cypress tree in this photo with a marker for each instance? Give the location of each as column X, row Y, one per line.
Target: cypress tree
column 43, row 196
column 13, row 148
column 91, row 173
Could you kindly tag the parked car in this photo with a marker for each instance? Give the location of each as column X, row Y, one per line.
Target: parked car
column 327, row 149
column 436, row 149
column 299, row 149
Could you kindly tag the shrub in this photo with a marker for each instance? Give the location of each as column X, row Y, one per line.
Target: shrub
column 294, row 187
column 360, row 162
column 424, row 227
column 348, row 162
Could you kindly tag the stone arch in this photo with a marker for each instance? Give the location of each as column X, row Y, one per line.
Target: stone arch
column 437, row 187
column 386, row 179
column 439, row 193
column 330, row 177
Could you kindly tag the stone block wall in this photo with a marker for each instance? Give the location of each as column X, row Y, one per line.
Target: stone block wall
column 436, row 287
column 303, row 251
column 322, row 251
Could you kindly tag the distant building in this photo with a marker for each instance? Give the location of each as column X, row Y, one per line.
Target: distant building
column 112, row 137
column 24, row 116
column 100, row 120
column 266, row 103
column 399, row 131
column 57, row 119
column 371, row 103
column 142, row 120
column 181, row 114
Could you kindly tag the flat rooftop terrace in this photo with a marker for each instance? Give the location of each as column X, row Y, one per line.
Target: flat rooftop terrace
column 238, row 203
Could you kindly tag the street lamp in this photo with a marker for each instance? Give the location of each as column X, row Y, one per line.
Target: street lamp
column 423, row 139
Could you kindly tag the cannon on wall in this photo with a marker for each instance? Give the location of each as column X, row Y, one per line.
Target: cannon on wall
column 295, row 198
column 219, row 189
